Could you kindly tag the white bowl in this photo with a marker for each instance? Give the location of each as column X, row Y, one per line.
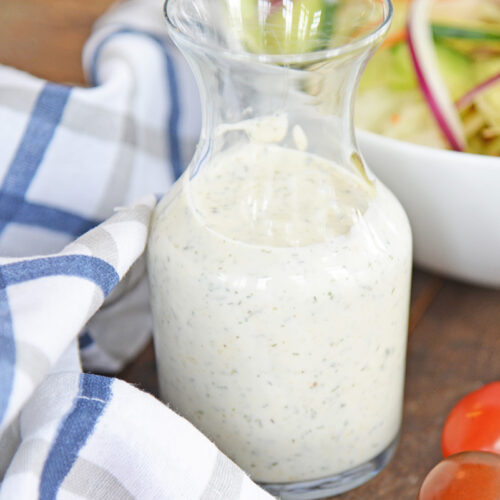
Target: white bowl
column 453, row 203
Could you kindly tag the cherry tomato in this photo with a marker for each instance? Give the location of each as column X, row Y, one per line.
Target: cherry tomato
column 474, row 423
column 469, row 475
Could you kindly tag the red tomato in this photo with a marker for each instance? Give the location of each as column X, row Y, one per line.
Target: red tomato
column 474, row 423
column 465, row 476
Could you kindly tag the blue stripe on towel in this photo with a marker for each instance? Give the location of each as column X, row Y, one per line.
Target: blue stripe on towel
column 83, row 266
column 15, row 209
column 85, row 340
column 74, row 431
column 43, row 123
column 92, row 268
column 172, row 124
column 7, row 350
column 45, row 117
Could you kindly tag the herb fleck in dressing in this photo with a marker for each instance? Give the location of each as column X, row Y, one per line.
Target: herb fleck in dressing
column 280, row 287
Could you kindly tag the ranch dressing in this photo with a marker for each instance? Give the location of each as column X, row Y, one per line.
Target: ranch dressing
column 280, row 289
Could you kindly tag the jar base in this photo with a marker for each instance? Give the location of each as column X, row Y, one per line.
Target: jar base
column 335, row 484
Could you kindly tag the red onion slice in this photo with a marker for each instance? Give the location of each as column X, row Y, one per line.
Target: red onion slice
column 468, row 98
column 428, row 74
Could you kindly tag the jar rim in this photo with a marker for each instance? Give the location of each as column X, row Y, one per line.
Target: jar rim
column 366, row 41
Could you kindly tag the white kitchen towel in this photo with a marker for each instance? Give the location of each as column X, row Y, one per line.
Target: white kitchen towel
column 68, row 157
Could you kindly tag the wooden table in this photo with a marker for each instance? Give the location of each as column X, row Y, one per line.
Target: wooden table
column 454, row 328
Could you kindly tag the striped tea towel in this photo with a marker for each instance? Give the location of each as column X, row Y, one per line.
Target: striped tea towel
column 68, row 157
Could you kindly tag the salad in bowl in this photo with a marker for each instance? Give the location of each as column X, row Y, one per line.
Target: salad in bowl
column 428, row 118
column 435, row 80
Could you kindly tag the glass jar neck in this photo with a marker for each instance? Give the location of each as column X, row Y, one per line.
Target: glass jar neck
column 279, row 72
column 308, row 107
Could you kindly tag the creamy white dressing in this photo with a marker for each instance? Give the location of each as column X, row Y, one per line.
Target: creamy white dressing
column 280, row 290
column 269, row 195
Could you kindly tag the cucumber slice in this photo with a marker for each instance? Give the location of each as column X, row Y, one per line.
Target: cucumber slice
column 442, row 31
column 293, row 27
column 457, row 70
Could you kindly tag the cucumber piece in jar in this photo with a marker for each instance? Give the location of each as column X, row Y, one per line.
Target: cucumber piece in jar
column 290, row 27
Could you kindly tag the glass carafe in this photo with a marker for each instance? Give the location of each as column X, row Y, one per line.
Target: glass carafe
column 279, row 265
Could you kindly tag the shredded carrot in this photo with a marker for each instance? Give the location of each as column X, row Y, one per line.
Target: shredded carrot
column 398, row 36
column 394, row 38
column 395, row 117
column 366, row 28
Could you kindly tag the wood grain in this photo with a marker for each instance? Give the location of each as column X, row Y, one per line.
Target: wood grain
column 45, row 37
column 425, row 287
